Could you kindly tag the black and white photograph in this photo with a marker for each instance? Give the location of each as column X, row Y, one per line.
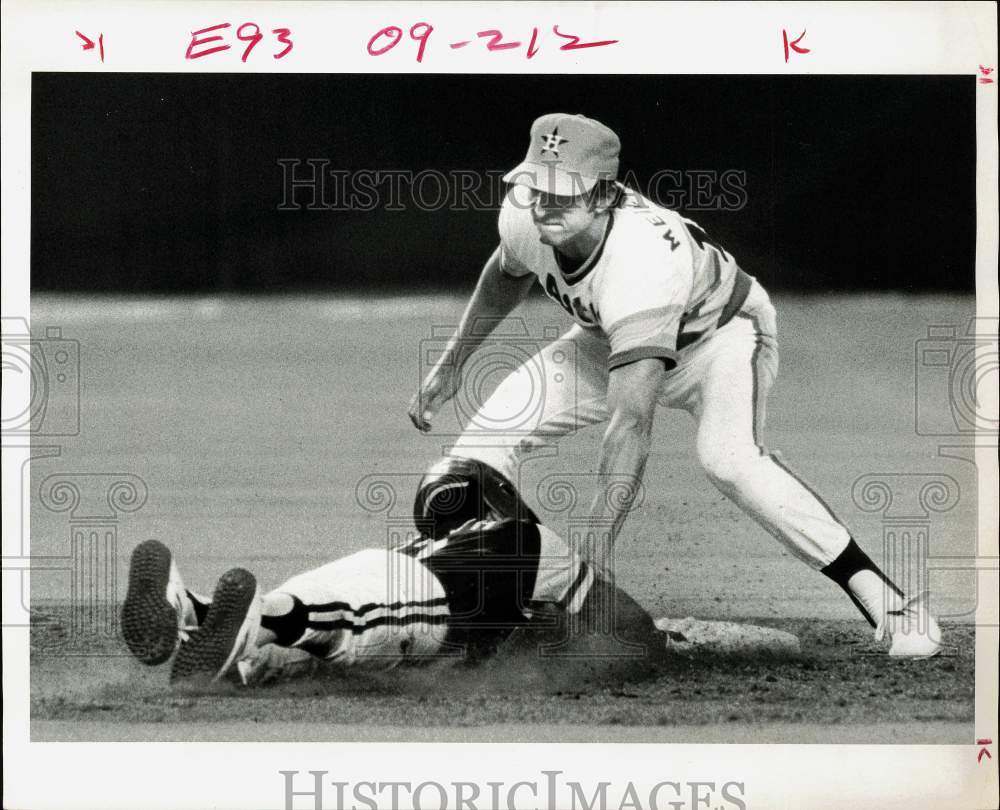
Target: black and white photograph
column 414, row 405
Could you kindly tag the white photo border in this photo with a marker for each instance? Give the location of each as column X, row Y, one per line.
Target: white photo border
column 704, row 38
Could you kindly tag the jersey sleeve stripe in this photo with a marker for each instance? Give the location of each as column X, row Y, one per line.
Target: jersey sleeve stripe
column 653, row 329
column 668, row 356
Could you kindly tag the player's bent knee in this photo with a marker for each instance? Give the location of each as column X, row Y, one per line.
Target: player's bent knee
column 456, row 490
column 730, row 468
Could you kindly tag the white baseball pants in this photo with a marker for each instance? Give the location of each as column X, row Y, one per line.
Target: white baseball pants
column 722, row 382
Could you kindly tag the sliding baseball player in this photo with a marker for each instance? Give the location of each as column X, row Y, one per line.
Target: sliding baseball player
column 452, row 599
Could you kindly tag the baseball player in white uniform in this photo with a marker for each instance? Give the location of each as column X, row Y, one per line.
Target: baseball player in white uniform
column 664, row 316
column 452, row 599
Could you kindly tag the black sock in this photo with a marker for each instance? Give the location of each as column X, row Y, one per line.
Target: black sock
column 851, row 561
column 200, row 608
column 288, row 627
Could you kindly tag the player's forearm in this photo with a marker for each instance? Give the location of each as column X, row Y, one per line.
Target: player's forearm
column 623, row 456
column 495, row 297
column 632, row 396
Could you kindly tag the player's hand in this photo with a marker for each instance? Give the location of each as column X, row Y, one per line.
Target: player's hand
column 440, row 386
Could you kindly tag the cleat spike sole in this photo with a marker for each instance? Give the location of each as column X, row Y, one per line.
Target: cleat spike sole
column 212, row 650
column 149, row 621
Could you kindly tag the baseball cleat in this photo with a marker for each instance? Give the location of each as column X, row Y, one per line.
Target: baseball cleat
column 228, row 633
column 914, row 631
column 157, row 611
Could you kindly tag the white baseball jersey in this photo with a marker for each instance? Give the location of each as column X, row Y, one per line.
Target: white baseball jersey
column 655, row 285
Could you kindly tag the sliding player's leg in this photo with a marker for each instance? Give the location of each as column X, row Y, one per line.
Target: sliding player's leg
column 159, row 612
column 376, row 609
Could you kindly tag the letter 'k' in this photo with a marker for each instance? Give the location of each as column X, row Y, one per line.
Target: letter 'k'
column 794, row 44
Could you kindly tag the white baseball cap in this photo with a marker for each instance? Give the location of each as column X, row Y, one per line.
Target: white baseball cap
column 567, row 155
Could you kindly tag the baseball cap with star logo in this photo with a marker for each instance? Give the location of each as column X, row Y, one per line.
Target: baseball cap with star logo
column 567, row 155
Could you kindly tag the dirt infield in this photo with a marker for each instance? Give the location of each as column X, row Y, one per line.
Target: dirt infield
column 840, row 679
column 258, row 426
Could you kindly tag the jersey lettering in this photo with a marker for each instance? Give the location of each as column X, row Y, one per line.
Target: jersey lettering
column 574, row 307
column 657, row 221
column 702, row 238
column 652, row 257
column 578, row 308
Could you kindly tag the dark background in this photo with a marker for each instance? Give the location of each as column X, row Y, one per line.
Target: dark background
column 170, row 182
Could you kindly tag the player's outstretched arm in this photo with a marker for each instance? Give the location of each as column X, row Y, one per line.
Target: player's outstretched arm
column 495, row 297
column 632, row 392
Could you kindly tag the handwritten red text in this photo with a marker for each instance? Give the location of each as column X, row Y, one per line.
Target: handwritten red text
column 493, row 39
column 213, row 39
